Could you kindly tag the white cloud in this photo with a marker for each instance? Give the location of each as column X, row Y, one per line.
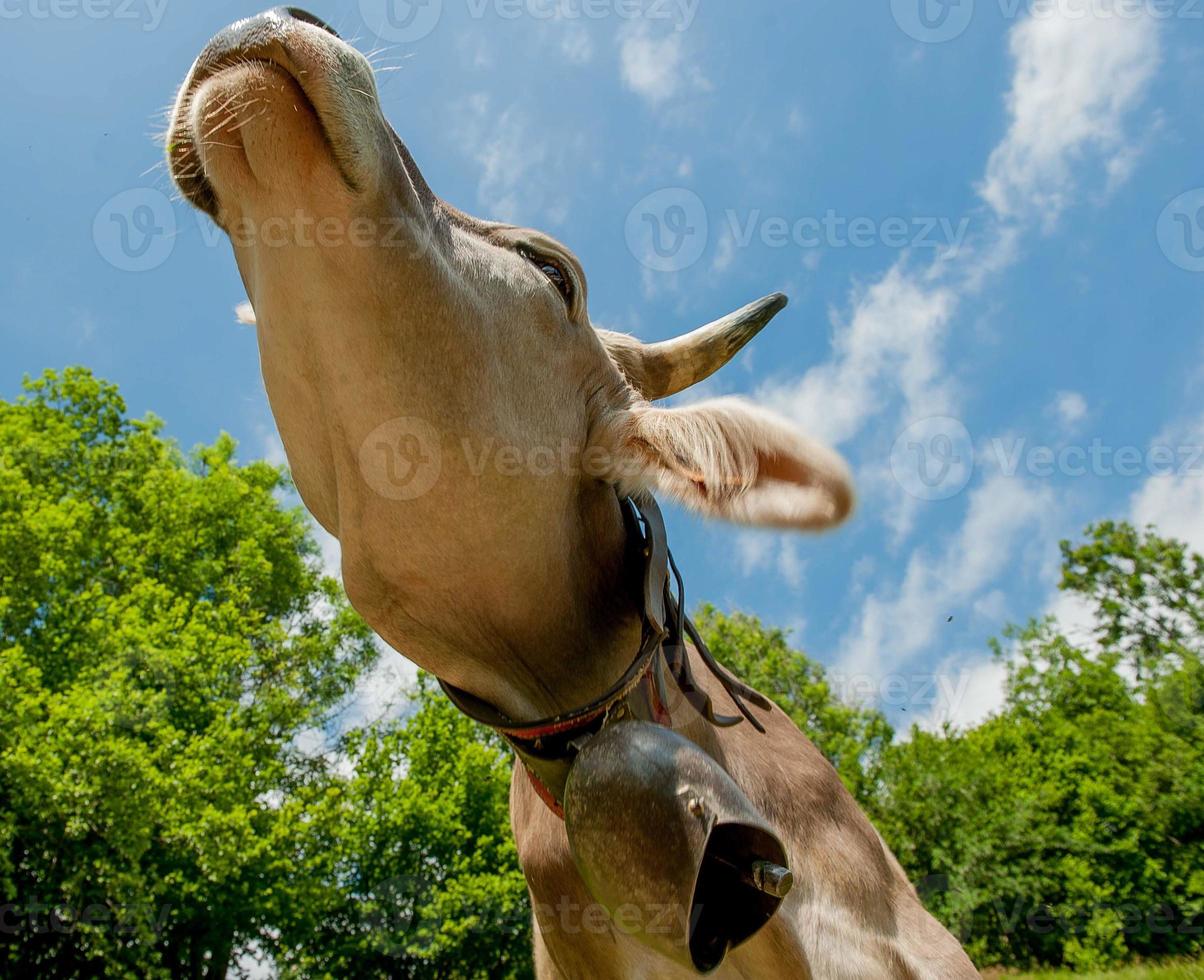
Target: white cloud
column 890, row 344
column 862, row 574
column 1174, row 502
column 506, row 157
column 656, row 68
column 1076, row 81
column 1076, row 618
column 380, row 694
column 1078, row 74
column 1175, row 505
column 517, row 165
column 85, row 323
column 255, row 963
column 272, row 446
column 650, row 66
column 725, row 252
column 475, row 51
column 968, row 691
column 1077, row 78
column 760, row 551
column 754, row 549
column 576, row 45
column 992, row 606
column 896, row 624
column 330, row 551
column 790, row 565
column 1070, row 408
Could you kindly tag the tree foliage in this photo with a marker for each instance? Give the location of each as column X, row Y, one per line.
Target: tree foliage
column 412, row 849
column 1069, row 829
column 852, row 737
column 170, row 653
column 178, row 785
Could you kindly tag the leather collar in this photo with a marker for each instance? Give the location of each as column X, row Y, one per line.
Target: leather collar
column 547, row 747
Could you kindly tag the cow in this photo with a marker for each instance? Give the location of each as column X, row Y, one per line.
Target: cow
column 406, row 349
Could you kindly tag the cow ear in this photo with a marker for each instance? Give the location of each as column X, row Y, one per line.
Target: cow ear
column 732, row 460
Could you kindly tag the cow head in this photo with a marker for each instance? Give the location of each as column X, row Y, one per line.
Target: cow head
column 448, row 410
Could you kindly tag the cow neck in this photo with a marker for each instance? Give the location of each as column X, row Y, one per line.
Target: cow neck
column 657, row 685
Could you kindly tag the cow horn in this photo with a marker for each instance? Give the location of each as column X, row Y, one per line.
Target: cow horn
column 663, row 369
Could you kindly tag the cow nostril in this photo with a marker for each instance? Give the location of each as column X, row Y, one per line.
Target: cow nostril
column 306, row 17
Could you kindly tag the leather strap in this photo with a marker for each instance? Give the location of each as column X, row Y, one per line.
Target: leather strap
column 548, row 747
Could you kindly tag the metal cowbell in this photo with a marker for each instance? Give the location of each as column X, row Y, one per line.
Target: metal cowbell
column 668, row 843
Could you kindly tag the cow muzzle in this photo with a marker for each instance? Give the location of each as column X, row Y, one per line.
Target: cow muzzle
column 657, row 826
column 262, row 89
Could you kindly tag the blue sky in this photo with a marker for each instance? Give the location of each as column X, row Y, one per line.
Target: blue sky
column 989, row 217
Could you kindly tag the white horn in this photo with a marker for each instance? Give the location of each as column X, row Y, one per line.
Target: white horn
column 663, row 369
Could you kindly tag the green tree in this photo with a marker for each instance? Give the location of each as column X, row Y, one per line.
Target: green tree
column 170, row 652
column 420, row 872
column 160, row 649
column 1148, row 593
column 852, row 737
column 1069, row 829
column 168, row 648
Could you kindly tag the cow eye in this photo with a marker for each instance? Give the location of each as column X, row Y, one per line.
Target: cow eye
column 555, row 273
